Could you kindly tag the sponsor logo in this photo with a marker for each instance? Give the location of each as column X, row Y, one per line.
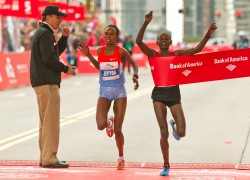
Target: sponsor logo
column 186, row 65
column 230, row 59
column 108, row 67
column 231, row 67
column 112, row 59
column 186, row 72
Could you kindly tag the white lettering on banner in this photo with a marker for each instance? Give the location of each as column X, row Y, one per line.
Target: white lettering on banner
column 201, row 174
column 70, row 10
column 185, row 65
column 238, row 59
column 15, row 6
column 22, row 68
column 27, row 7
column 1, row 79
column 230, row 59
column 137, row 56
column 77, row 16
column 9, row 68
column 20, row 172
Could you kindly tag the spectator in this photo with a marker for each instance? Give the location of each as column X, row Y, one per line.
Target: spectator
column 128, row 44
column 244, row 42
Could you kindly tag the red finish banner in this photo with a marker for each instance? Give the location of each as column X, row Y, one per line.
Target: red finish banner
column 177, row 70
column 34, row 8
column 75, row 13
column 19, row 8
column 9, row 8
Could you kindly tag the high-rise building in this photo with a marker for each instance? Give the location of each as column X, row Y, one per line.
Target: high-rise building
column 242, row 15
column 198, row 16
column 129, row 15
column 225, row 19
column 231, row 17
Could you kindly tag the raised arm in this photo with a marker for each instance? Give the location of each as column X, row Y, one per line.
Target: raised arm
column 145, row 49
column 200, row 46
column 83, row 47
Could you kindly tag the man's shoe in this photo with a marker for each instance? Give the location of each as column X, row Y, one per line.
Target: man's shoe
column 40, row 164
column 172, row 123
column 58, row 164
column 110, row 128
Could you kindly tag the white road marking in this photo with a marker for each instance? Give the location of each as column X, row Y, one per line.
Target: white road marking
column 78, row 83
column 24, row 136
column 20, row 95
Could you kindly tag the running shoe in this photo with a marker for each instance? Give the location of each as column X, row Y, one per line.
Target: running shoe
column 165, row 171
column 110, row 127
column 172, row 123
column 121, row 165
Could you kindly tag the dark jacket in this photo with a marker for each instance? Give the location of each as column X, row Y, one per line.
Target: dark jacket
column 45, row 66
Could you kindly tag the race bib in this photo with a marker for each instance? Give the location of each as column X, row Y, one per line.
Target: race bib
column 109, row 71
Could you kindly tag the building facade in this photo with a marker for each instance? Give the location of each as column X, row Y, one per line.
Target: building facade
column 225, row 19
column 198, row 16
column 231, row 17
column 242, row 15
column 129, row 15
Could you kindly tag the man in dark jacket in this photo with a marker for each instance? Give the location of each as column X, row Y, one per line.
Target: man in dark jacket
column 45, row 76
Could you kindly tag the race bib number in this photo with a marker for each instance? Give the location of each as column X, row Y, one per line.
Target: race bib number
column 109, row 71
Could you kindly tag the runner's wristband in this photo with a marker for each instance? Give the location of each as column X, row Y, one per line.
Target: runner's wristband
column 136, row 76
column 206, row 36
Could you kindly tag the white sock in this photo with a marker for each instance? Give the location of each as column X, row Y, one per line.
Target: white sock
column 121, row 158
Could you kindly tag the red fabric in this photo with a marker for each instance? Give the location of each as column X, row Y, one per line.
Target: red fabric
column 108, row 58
column 34, row 8
column 177, row 70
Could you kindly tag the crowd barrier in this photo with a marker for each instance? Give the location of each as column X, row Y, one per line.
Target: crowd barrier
column 15, row 67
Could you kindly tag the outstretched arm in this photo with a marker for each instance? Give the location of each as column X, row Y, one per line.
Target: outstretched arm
column 200, row 46
column 124, row 54
column 83, row 47
column 145, row 49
